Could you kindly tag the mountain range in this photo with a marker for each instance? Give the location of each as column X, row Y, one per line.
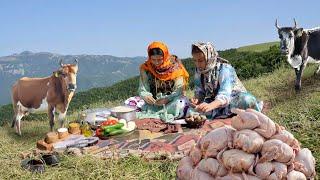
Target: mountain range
column 94, row 70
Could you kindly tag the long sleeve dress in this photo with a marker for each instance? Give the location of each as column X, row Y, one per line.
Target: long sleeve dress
column 225, row 86
column 158, row 89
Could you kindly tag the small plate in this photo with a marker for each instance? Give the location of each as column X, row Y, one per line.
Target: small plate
column 178, row 121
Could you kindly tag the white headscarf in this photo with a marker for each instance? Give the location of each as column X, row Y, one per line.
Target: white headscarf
column 211, row 55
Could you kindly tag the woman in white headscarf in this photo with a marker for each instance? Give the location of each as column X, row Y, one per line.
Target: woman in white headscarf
column 217, row 86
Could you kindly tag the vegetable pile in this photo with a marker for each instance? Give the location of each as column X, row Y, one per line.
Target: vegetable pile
column 112, row 126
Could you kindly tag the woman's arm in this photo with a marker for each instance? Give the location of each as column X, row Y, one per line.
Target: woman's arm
column 178, row 89
column 198, row 90
column 206, row 107
column 144, row 88
column 226, row 80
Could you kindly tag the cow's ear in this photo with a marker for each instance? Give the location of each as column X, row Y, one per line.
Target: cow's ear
column 56, row 74
column 298, row 32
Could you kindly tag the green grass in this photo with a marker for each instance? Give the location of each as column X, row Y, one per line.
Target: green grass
column 88, row 167
column 298, row 112
column 85, row 167
column 257, row 47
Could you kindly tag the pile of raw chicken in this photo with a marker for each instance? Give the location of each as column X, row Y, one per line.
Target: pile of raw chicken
column 253, row 147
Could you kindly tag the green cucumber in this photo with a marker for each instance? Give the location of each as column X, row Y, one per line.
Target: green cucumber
column 116, row 126
column 108, row 129
column 116, row 132
column 105, row 133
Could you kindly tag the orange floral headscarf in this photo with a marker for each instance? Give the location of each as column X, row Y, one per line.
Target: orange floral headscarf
column 170, row 69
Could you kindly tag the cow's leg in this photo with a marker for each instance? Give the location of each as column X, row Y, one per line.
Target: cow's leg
column 62, row 116
column 15, row 111
column 19, row 113
column 19, row 116
column 14, row 119
column 298, row 82
column 297, row 86
column 317, row 72
column 296, row 70
column 298, row 76
column 51, row 116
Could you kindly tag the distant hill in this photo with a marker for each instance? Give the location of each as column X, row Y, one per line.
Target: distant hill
column 258, row 47
column 105, row 70
column 247, row 64
column 94, row 70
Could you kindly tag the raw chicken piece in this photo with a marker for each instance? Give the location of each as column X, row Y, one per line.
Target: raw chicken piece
column 212, row 167
column 286, row 137
column 296, row 175
column 216, row 140
column 252, row 119
column 305, row 163
column 238, row 176
column 237, row 160
column 231, row 177
column 249, row 177
column 267, row 127
column 184, row 168
column 275, row 149
column 271, row 170
column 248, row 140
column 244, row 120
column 200, row 175
column 195, row 155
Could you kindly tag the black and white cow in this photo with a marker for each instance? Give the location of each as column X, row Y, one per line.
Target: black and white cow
column 301, row 46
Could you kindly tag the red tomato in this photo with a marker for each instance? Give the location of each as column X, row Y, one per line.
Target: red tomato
column 105, row 123
column 109, row 122
column 113, row 122
column 99, row 132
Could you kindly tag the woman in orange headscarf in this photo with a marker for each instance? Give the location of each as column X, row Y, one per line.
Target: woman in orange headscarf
column 163, row 80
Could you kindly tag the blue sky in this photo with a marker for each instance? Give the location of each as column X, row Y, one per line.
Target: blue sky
column 125, row 28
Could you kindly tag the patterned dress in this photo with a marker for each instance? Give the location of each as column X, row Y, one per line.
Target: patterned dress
column 224, row 85
column 172, row 90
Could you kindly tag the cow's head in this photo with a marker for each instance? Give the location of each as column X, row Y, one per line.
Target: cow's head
column 68, row 73
column 287, row 36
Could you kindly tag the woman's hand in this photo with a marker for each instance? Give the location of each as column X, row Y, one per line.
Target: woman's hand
column 194, row 101
column 149, row 99
column 161, row 102
column 205, row 107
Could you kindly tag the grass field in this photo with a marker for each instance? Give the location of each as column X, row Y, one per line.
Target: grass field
column 257, row 47
column 298, row 112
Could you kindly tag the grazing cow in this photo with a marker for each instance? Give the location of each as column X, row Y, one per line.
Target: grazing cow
column 301, row 46
column 51, row 94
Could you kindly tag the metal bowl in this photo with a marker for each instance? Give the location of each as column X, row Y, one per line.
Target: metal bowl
column 124, row 112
